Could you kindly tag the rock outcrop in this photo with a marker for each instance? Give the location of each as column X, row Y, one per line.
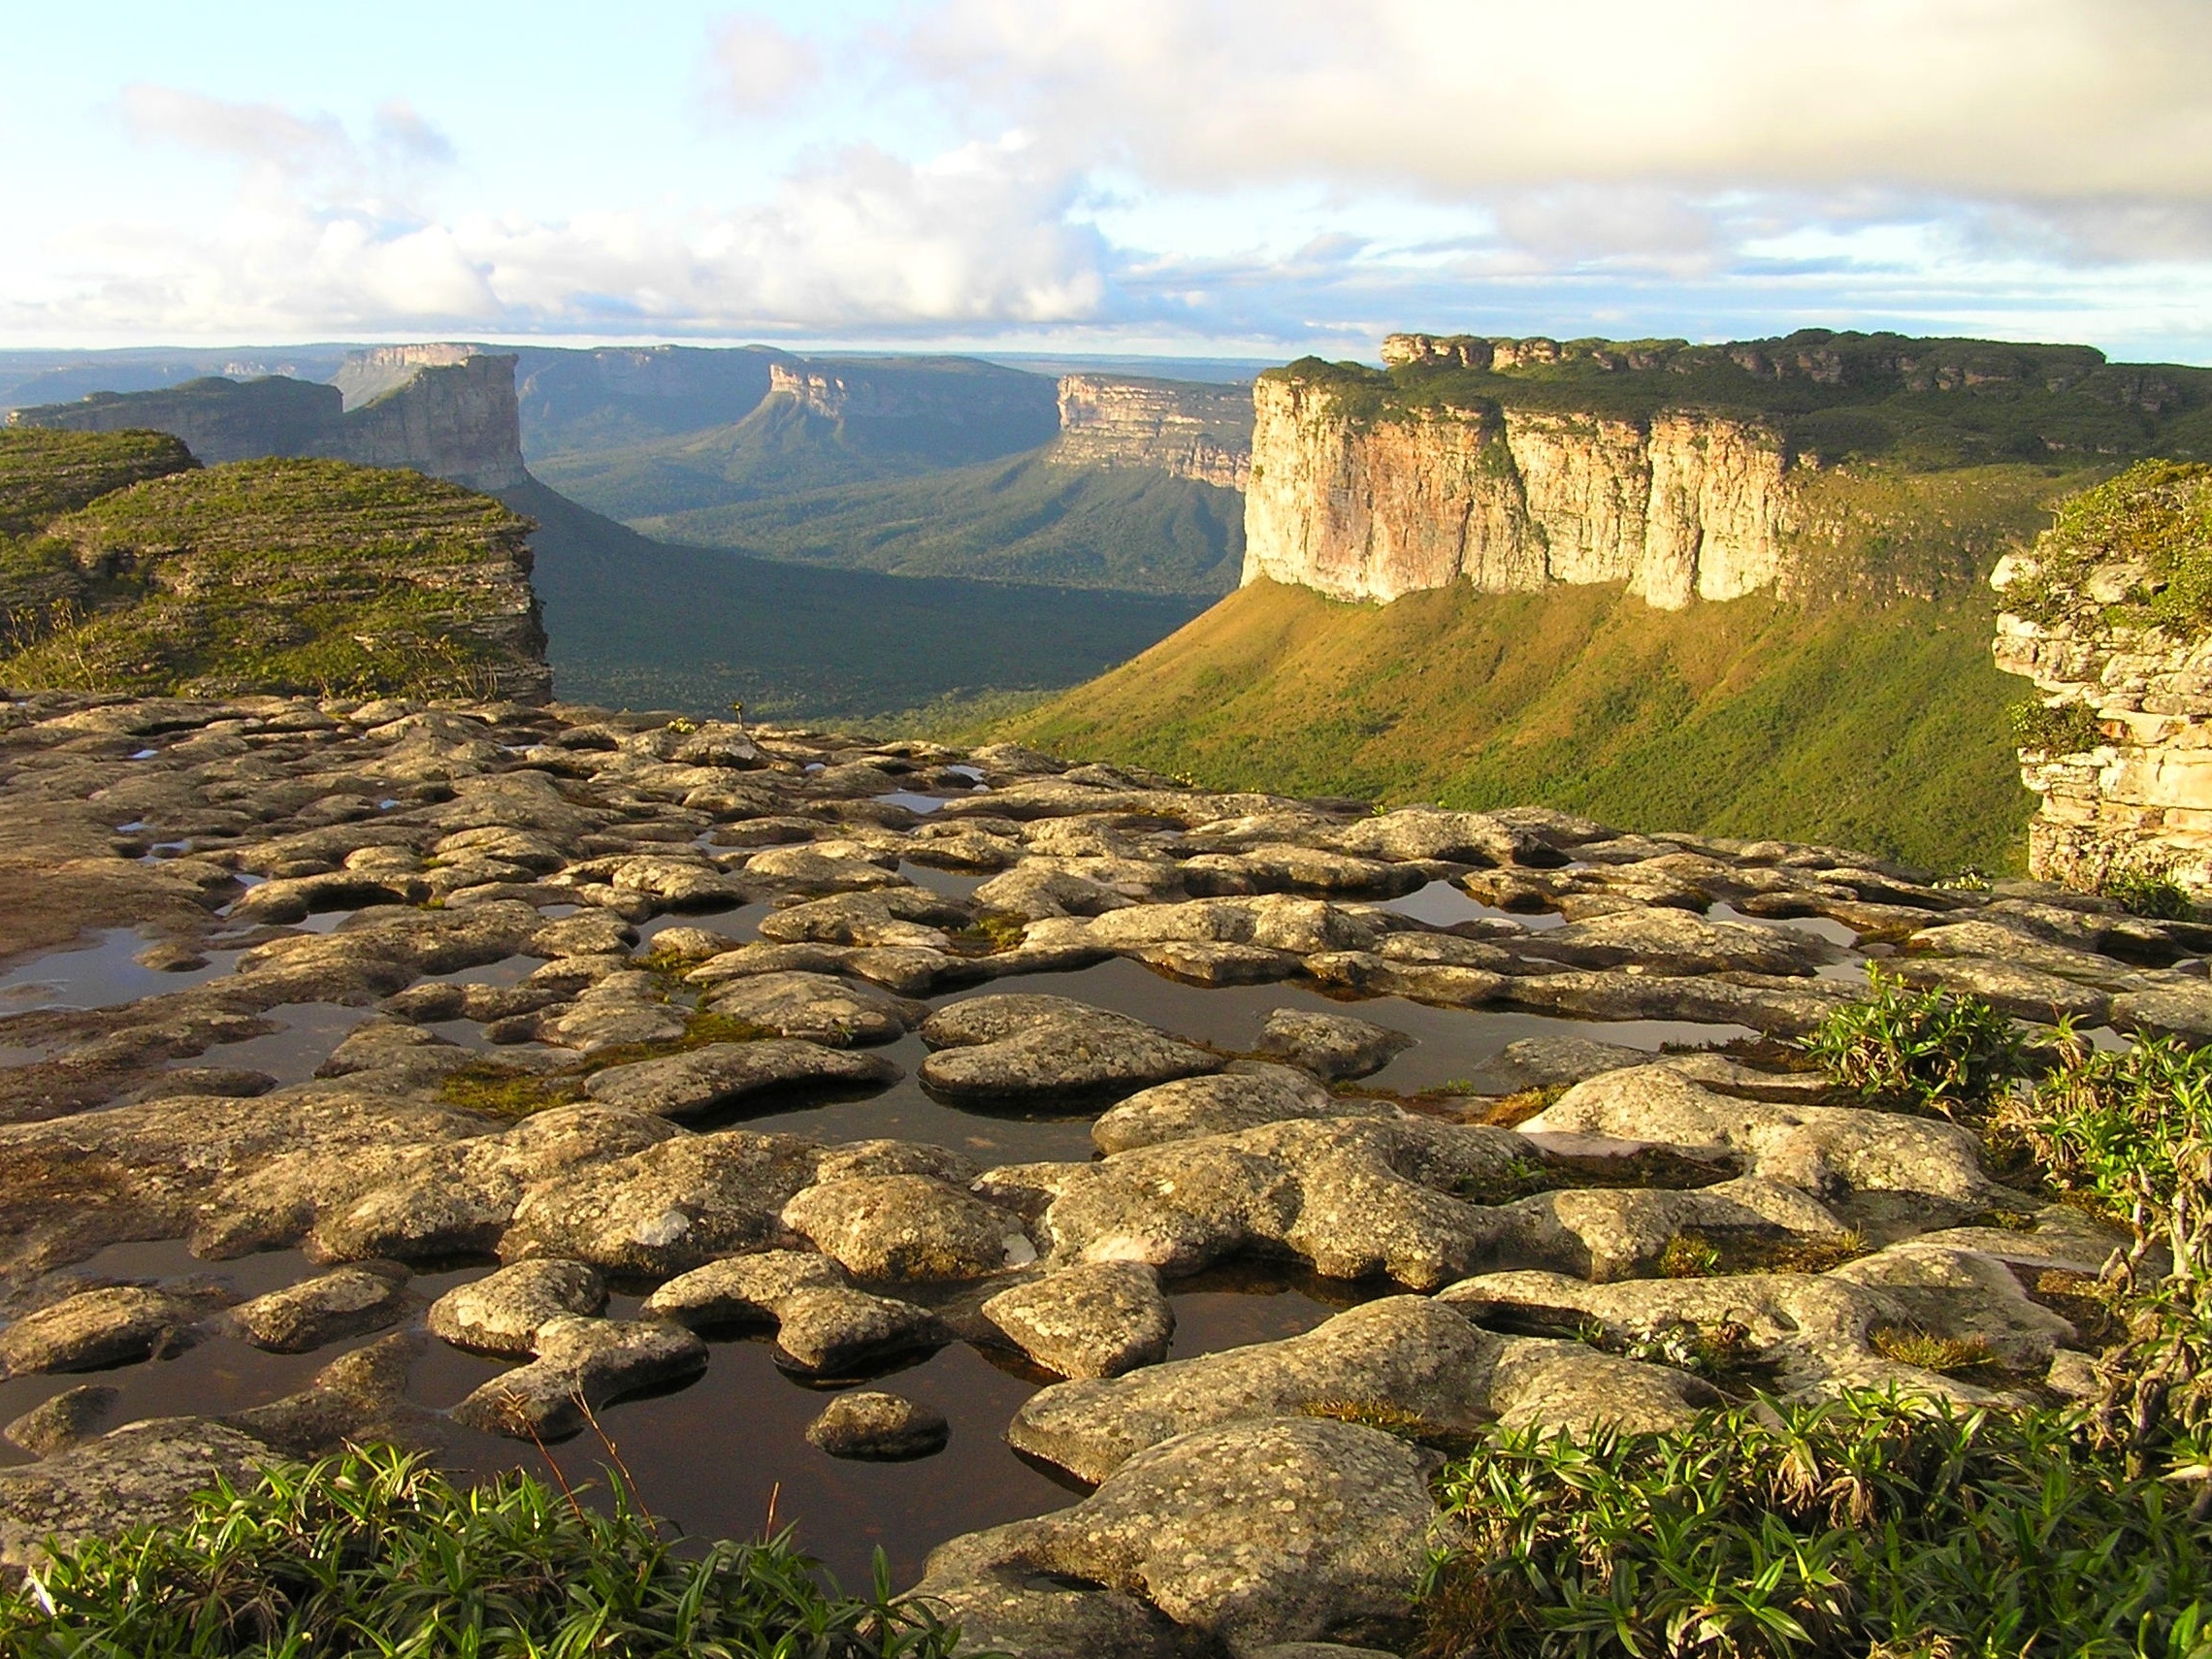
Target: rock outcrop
column 1182, row 428
column 2121, row 751
column 905, row 391
column 1680, row 504
column 445, row 411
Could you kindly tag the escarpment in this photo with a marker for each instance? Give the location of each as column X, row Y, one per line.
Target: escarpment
column 1679, row 505
column 444, row 411
column 1681, row 472
column 1186, row 430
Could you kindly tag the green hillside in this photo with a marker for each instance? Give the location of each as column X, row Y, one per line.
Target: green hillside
column 1876, row 727
column 1019, row 520
column 639, row 623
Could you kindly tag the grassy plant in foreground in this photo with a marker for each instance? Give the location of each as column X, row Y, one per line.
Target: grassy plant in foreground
column 373, row 1553
column 1921, row 1049
column 1864, row 1525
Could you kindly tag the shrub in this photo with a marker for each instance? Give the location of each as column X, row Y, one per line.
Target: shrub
column 2061, row 729
column 373, row 1553
column 2140, row 881
column 2116, row 1124
column 1868, row 1524
column 1921, row 1049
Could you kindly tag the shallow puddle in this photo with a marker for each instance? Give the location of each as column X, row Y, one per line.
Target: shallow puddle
column 100, row 975
column 1441, row 904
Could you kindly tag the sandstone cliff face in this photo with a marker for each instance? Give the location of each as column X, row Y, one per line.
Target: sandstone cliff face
column 444, row 411
column 1685, row 505
column 449, row 416
column 2124, row 760
column 921, row 390
column 1182, row 428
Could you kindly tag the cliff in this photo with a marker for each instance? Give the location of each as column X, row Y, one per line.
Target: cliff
column 1680, row 504
column 2110, row 614
column 1681, row 472
column 283, row 574
column 1186, row 429
column 974, row 405
column 445, row 411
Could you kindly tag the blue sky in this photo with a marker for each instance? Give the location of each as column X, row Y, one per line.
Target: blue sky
column 1255, row 177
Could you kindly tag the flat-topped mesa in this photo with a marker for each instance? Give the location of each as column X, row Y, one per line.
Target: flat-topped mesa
column 1372, row 503
column 915, row 390
column 446, row 410
column 1185, row 429
column 2107, row 614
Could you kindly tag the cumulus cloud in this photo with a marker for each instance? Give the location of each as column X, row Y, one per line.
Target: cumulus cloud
column 980, row 236
column 2014, row 97
column 1299, row 172
column 260, row 135
column 760, row 69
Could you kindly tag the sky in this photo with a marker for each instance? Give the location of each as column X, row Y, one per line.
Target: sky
column 1232, row 178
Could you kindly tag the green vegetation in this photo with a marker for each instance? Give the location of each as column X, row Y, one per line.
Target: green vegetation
column 1021, row 520
column 1922, row 1049
column 44, row 474
column 374, row 1555
column 2065, row 728
column 646, row 625
column 277, row 575
column 2157, row 518
column 1857, row 723
column 2120, row 1127
column 1864, row 1525
column 1840, row 397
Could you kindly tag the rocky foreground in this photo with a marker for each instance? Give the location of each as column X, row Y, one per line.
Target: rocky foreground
column 564, row 1124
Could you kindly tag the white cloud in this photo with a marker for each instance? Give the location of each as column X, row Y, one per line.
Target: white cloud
column 2033, row 98
column 760, row 69
column 260, row 135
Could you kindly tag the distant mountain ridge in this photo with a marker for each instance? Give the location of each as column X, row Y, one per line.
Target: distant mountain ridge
column 445, row 411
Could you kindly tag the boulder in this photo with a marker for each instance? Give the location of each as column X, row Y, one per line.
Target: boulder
column 143, row 1473
column 66, row 1420
column 1403, row 1353
column 1829, row 1151
column 503, row 1311
column 1331, row 1045
column 1096, row 1319
column 1247, row 1535
column 346, row 1302
column 1027, row 1048
column 879, row 1428
column 1242, row 1097
column 907, row 1227
column 116, row 1324
column 819, row 1008
column 834, row 1330
column 1351, row 1196
column 721, row 1074
column 581, row 1365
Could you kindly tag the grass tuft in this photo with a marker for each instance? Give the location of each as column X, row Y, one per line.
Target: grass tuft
column 376, row 1554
